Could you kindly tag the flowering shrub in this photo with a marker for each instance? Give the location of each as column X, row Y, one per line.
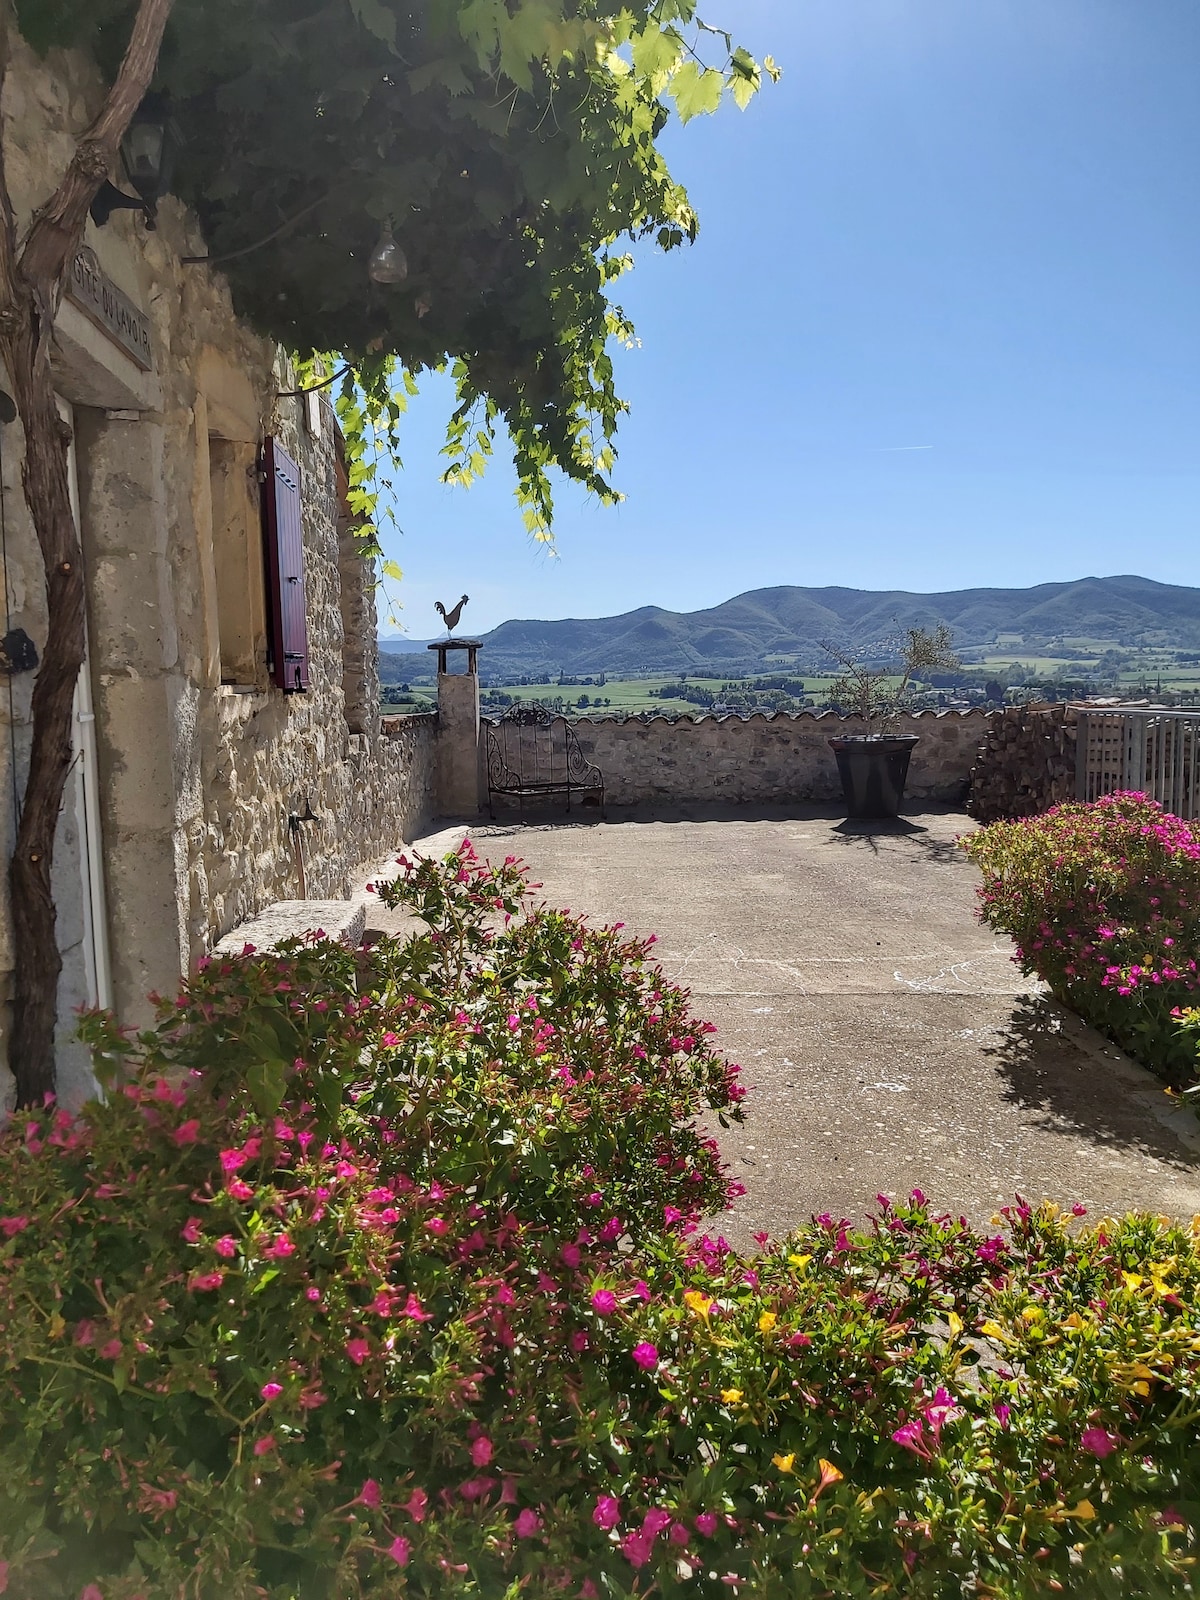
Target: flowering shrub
column 334, row 1348
column 1103, row 901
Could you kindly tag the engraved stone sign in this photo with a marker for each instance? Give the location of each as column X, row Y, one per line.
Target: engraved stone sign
column 114, row 313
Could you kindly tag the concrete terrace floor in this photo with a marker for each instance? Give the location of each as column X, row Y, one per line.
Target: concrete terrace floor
column 886, row 1037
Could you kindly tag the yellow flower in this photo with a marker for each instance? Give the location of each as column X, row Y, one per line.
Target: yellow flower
column 767, row 1321
column 956, row 1324
column 993, row 1330
column 829, row 1474
column 802, row 1261
column 1085, row 1510
column 731, row 1397
column 1133, row 1280
column 698, row 1304
column 784, row 1463
column 1032, row 1314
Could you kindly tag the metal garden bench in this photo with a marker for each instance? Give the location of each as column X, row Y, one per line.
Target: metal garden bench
column 532, row 753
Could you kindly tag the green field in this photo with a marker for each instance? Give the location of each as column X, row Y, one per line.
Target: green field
column 625, row 696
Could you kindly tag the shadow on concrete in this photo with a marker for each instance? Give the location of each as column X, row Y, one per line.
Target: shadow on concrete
column 705, row 811
column 1052, row 1063
column 866, row 832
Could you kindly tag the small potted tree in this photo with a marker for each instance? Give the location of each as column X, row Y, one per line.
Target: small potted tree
column 873, row 766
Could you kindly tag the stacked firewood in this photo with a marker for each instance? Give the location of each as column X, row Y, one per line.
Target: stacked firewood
column 1026, row 763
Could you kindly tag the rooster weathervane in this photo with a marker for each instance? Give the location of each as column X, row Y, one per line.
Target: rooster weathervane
column 451, row 618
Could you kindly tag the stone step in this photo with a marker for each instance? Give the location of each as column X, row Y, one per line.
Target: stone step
column 343, row 920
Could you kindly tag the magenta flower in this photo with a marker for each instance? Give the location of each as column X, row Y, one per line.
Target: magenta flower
column 604, row 1302
column 205, row 1280
column 390, row 1040
column 90, row 1591
column 571, row 1255
column 528, row 1523
column 263, row 1445
column 911, row 1436
column 110, row 1351
column 226, row 1245
column 417, row 1505
column 438, row 1226
column 271, row 1391
column 11, row 1226
column 607, row 1512
column 187, row 1132
column 399, row 1550
column 671, row 1215
column 637, row 1547
column 655, row 1520
column 281, row 1248
column 481, row 1450
column 240, row 1190
column 646, row 1356
column 190, row 1232
column 679, row 1534
column 232, row 1160
column 358, row 1350
column 1098, row 1442
column 369, row 1495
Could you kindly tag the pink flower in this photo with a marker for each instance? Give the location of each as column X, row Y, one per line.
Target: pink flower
column 671, row 1215
column 206, row 1280
column 11, row 1226
column 358, row 1350
column 608, row 1511
column 91, row 1591
column 1098, row 1442
column 417, row 1505
column 187, row 1132
column 110, row 1351
column 85, row 1332
column 414, row 1310
column 438, row 1226
column 646, row 1356
column 481, row 1450
column 240, row 1190
column 637, row 1547
column 312, row 1293
column 263, row 1445
column 369, row 1494
column 190, row 1232
column 271, row 1391
column 604, row 1302
column 226, row 1245
column 514, row 1022
column 399, row 1550
column 679, row 1534
column 281, row 1248
column 231, row 1160
column 527, row 1524
column 571, row 1255
column 706, row 1524
column 655, row 1520
column 911, row 1436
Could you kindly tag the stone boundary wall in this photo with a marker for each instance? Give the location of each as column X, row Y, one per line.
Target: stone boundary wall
column 400, row 776
column 1026, row 763
column 766, row 758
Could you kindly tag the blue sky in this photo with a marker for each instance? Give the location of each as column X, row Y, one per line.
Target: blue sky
column 941, row 328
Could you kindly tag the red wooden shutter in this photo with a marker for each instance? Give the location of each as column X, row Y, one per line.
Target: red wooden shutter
column 284, row 540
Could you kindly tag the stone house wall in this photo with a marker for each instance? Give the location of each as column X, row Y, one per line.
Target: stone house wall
column 765, row 758
column 198, row 759
column 1026, row 763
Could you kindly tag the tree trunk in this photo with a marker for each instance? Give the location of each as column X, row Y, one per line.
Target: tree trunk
column 31, row 283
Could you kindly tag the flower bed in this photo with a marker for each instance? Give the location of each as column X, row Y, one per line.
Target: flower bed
column 1103, row 902
column 380, row 1275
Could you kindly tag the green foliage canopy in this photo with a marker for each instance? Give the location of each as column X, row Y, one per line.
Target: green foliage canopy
column 512, row 144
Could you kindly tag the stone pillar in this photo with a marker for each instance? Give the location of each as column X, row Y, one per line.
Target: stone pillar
column 145, row 714
column 458, row 786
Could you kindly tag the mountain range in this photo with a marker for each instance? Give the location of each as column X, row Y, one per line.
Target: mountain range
column 766, row 628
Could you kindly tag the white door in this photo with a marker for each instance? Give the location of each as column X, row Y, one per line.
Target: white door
column 83, row 795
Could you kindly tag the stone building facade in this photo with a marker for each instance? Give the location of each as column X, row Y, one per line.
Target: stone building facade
column 190, row 759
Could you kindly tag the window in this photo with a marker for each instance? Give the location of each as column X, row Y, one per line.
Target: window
column 237, row 557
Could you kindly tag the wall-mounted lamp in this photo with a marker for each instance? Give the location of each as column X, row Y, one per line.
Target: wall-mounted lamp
column 18, row 653
column 388, row 263
column 148, row 153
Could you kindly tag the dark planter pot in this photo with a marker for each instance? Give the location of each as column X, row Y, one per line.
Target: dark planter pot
column 873, row 768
